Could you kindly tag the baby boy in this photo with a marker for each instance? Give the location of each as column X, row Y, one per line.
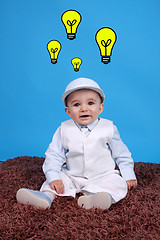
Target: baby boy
column 82, row 155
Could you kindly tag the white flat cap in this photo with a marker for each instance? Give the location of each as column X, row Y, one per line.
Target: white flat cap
column 82, row 83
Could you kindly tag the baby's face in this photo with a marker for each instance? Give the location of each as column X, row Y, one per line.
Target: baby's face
column 84, row 106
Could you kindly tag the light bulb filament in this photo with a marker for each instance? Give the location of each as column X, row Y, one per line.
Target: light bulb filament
column 76, row 64
column 106, row 44
column 69, row 23
column 54, row 51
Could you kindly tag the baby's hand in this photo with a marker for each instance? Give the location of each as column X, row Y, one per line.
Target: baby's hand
column 131, row 184
column 58, row 186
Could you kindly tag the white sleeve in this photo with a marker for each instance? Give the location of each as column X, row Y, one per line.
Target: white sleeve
column 122, row 156
column 55, row 158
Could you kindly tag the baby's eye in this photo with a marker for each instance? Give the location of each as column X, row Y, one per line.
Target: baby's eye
column 76, row 104
column 90, row 103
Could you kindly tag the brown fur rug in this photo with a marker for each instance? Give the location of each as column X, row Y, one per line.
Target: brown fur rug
column 135, row 217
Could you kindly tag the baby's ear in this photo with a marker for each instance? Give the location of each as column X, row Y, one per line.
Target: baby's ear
column 101, row 107
column 67, row 111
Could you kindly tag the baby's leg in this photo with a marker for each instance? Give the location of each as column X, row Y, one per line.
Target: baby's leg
column 35, row 198
column 45, row 197
column 104, row 191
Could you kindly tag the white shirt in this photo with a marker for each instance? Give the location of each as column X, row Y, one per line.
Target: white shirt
column 55, row 155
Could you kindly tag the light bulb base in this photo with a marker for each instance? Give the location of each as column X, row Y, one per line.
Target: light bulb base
column 71, row 36
column 106, row 59
column 54, row 61
column 76, row 69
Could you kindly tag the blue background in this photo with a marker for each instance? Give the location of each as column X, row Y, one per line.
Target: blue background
column 31, row 87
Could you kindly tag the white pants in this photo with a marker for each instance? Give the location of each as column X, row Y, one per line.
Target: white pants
column 111, row 183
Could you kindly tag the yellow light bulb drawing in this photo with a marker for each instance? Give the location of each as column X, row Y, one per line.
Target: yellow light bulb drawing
column 76, row 62
column 106, row 38
column 71, row 20
column 54, row 48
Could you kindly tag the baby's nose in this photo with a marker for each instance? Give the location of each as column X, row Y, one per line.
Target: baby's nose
column 84, row 108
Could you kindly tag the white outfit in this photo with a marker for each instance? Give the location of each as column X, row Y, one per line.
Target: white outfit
column 90, row 167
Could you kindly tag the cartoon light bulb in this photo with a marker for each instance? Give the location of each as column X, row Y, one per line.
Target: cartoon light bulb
column 106, row 38
column 71, row 20
column 54, row 48
column 76, row 62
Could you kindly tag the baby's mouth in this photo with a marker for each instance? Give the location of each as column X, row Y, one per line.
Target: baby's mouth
column 84, row 116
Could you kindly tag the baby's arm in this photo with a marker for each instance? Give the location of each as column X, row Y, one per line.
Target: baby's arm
column 131, row 184
column 58, row 186
column 55, row 158
column 123, row 158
